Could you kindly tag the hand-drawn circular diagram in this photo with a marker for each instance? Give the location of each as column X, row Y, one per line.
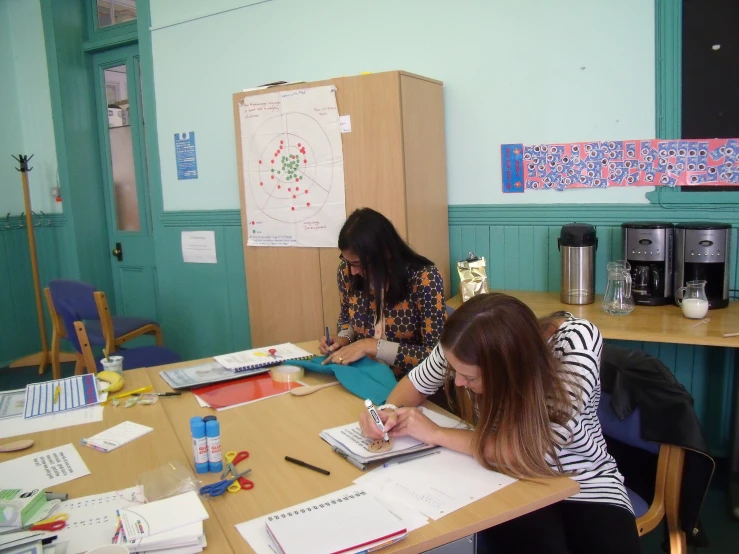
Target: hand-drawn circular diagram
column 289, row 170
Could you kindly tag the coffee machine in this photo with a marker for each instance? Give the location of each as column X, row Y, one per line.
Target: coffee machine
column 702, row 253
column 648, row 249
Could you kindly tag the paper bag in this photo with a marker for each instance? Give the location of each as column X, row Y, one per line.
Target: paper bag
column 473, row 279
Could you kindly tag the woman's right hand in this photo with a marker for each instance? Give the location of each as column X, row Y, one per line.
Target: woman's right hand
column 369, row 428
column 336, row 343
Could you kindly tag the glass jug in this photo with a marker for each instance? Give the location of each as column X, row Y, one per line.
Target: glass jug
column 692, row 299
column 618, row 300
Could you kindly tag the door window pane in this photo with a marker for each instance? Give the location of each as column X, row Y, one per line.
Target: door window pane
column 111, row 12
column 123, row 170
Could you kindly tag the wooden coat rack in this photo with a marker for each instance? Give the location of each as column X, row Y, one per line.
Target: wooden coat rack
column 39, row 358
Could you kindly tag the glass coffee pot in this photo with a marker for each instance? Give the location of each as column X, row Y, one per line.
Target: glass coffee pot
column 618, row 299
column 692, row 299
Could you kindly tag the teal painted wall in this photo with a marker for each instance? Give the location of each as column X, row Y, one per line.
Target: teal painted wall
column 19, row 334
column 24, row 94
column 11, row 139
column 527, row 71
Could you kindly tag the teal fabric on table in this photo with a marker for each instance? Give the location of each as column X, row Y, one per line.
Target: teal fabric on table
column 364, row 378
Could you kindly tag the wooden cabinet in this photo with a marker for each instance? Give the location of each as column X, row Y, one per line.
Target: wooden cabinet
column 394, row 162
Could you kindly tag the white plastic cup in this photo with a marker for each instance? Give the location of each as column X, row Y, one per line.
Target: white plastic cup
column 113, row 363
column 109, row 549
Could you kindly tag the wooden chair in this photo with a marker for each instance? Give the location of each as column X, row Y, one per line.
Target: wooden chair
column 133, row 358
column 668, row 479
column 58, row 332
column 103, row 329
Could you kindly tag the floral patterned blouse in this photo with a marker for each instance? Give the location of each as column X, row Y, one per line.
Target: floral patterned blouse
column 412, row 326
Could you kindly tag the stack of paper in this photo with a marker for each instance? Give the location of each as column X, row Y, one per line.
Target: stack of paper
column 350, row 440
column 173, row 525
column 121, row 434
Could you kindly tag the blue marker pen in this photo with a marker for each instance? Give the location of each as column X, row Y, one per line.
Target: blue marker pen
column 213, row 437
column 199, row 444
column 328, row 337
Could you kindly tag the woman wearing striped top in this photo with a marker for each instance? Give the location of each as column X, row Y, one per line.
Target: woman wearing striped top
column 531, row 389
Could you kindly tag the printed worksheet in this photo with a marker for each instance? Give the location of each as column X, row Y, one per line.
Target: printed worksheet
column 61, row 395
column 43, row 469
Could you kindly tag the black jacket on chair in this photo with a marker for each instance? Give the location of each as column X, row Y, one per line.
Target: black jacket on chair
column 634, row 378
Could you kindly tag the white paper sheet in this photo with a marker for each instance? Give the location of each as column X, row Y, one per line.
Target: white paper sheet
column 293, row 165
column 162, row 516
column 15, row 426
column 255, row 532
column 435, row 485
column 199, row 247
column 43, row 469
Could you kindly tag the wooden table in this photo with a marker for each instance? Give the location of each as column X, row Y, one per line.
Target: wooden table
column 654, row 324
column 645, row 323
column 288, row 425
column 120, row 468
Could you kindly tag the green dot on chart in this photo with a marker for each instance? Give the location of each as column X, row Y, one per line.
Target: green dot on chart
column 273, row 171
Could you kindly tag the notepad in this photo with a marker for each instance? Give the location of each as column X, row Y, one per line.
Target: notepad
column 341, row 523
column 117, row 436
column 162, row 516
column 262, row 357
column 61, row 395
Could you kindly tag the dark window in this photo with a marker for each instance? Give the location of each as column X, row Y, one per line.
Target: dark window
column 710, row 73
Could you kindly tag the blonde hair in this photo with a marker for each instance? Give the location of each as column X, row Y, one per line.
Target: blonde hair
column 524, row 389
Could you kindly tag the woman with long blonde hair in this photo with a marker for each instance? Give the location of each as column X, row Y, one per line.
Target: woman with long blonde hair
column 530, row 390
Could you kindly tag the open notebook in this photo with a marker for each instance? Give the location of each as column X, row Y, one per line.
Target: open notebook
column 344, row 523
column 262, row 357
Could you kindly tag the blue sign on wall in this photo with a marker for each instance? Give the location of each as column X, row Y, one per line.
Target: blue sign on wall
column 184, row 148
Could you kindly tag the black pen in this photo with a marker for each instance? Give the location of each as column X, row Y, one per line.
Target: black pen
column 314, row 468
column 160, row 393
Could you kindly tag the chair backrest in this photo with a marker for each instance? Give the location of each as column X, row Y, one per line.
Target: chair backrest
column 627, row 431
column 79, row 296
column 69, row 315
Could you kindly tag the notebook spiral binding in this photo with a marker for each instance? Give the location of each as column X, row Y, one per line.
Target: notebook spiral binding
column 326, row 504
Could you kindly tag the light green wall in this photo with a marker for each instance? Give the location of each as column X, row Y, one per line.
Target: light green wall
column 11, row 140
column 525, row 71
column 27, row 125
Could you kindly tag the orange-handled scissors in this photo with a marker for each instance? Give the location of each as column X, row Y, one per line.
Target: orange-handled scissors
column 53, row 523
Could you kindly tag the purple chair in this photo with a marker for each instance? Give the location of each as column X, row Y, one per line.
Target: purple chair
column 133, row 358
column 102, row 328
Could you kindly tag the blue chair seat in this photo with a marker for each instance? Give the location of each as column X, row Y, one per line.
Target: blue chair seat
column 123, row 325
column 94, row 332
column 637, row 503
column 145, row 356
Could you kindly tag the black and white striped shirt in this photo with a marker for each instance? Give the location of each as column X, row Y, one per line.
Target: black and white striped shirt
column 578, row 345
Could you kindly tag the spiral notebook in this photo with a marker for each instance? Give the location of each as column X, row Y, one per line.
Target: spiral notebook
column 266, row 356
column 345, row 523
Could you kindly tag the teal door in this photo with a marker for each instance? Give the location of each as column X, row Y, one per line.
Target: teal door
column 127, row 203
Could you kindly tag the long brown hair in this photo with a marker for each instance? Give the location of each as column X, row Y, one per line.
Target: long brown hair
column 524, row 390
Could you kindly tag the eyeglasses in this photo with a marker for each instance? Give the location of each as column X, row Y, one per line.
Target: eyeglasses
column 355, row 265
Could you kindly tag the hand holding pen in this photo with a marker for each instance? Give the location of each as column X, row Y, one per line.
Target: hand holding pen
column 369, row 426
column 330, row 343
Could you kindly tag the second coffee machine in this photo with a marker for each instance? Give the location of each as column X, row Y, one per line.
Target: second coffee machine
column 648, row 249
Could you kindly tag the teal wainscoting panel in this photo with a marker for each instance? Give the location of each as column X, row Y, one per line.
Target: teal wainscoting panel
column 519, row 243
column 19, row 334
column 203, row 307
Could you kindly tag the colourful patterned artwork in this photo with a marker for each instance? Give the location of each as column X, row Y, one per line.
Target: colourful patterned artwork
column 627, row 163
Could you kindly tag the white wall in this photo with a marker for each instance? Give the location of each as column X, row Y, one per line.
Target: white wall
column 25, row 105
column 530, row 71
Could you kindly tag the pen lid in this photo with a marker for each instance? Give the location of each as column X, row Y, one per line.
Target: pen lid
column 368, row 403
column 208, row 418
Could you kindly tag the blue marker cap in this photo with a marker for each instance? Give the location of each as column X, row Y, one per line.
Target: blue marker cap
column 213, row 434
column 199, row 444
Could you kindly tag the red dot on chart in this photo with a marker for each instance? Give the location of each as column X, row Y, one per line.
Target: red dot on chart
column 298, row 145
column 297, row 188
column 260, row 161
column 306, row 192
column 279, row 186
column 297, row 181
column 273, row 161
column 305, row 161
column 307, row 203
column 273, row 176
column 282, row 142
column 253, row 223
column 294, row 196
column 293, row 208
column 261, row 184
column 289, row 190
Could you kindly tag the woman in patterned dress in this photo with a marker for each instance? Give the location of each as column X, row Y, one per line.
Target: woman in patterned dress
column 392, row 299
